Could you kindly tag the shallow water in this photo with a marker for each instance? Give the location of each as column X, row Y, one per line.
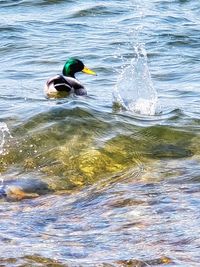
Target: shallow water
column 85, row 182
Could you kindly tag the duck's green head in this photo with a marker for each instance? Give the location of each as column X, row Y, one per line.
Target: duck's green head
column 74, row 65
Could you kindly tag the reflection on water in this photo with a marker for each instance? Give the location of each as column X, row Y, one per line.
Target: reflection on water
column 83, row 183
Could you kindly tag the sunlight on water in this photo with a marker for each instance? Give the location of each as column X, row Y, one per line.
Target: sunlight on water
column 134, row 90
column 81, row 184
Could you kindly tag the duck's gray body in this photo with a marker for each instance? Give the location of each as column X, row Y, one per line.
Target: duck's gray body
column 60, row 83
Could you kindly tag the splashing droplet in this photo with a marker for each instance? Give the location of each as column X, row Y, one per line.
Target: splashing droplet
column 134, row 89
column 4, row 131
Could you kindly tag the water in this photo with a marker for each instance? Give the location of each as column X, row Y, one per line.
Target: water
column 134, row 90
column 86, row 182
column 4, row 132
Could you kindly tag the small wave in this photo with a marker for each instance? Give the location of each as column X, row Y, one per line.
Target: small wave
column 92, row 11
column 7, row 3
column 10, row 3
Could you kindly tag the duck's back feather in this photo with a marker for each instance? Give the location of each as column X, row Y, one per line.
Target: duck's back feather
column 79, row 89
column 61, row 83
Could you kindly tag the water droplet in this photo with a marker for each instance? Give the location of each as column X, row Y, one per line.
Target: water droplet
column 4, row 132
column 134, row 89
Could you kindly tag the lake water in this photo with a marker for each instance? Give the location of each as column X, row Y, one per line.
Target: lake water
column 113, row 178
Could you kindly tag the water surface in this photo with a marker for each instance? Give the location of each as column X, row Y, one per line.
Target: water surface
column 104, row 185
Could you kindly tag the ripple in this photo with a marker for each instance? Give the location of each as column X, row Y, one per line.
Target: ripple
column 90, row 184
column 7, row 3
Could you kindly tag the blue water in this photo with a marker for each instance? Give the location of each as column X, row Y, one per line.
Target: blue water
column 86, row 181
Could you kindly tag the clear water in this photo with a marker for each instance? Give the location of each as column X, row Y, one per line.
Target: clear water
column 86, row 182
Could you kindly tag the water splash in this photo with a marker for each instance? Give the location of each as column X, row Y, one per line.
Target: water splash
column 134, row 90
column 4, row 131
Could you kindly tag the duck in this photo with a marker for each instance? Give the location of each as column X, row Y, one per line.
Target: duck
column 66, row 83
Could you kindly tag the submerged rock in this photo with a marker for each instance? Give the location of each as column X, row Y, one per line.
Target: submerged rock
column 14, row 190
column 170, row 151
column 139, row 263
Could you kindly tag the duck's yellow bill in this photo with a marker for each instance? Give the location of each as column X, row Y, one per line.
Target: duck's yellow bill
column 88, row 71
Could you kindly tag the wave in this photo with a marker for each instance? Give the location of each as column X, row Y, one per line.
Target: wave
column 10, row 3
column 80, row 145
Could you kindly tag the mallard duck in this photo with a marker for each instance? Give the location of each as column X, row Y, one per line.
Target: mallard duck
column 67, row 83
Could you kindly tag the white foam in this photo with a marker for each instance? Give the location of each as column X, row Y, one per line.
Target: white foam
column 144, row 107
